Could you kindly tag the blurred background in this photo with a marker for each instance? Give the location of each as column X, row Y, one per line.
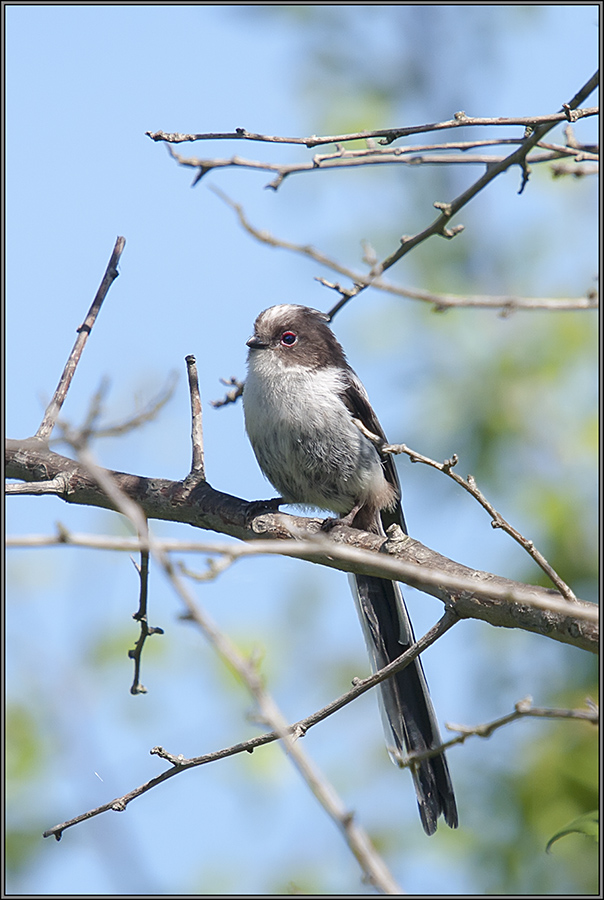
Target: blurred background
column 515, row 397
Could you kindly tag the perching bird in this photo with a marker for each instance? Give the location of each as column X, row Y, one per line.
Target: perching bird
column 300, row 399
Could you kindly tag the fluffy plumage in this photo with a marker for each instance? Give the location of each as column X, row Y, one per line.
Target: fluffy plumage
column 300, row 399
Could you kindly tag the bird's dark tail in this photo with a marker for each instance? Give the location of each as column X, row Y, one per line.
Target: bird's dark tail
column 409, row 718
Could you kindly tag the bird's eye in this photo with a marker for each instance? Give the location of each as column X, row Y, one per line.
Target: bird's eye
column 289, row 338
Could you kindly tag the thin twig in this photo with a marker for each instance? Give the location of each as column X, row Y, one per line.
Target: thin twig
column 141, row 616
column 469, row 485
column 197, row 472
column 509, row 603
column 441, row 225
column 136, row 516
column 54, row 407
column 95, row 409
column 371, row 863
column 441, row 302
column 298, row 729
column 353, row 159
column 230, row 396
column 536, row 129
column 388, row 134
column 576, row 171
column 150, row 410
column 522, row 709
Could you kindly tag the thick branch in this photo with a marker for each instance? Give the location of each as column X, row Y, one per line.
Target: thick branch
column 481, row 595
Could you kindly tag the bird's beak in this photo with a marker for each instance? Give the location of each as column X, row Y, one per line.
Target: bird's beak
column 254, row 343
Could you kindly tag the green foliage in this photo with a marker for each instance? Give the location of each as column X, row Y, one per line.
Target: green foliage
column 23, row 746
column 555, row 781
column 588, row 824
column 26, row 750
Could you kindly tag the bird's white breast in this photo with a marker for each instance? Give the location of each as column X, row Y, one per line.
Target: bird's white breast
column 303, row 435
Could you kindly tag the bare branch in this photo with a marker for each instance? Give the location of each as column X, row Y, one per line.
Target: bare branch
column 469, row 485
column 536, row 130
column 575, row 170
column 82, row 435
column 473, row 594
column 141, row 616
column 54, row 407
column 447, row 210
column 230, row 396
column 149, row 412
column 441, row 302
column 372, row 865
column 290, row 733
column 344, row 159
column 197, row 472
column 388, row 134
column 180, row 764
column 522, row 710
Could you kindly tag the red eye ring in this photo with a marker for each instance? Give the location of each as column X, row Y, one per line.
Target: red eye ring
column 289, row 338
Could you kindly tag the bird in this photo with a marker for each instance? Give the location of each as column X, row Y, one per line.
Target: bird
column 301, row 399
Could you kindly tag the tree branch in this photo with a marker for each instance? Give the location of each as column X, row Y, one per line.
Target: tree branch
column 388, row 134
column 536, row 129
column 469, row 485
column 345, row 159
column 523, row 709
column 441, row 302
column 372, row 865
column 141, row 616
column 289, row 734
column 54, row 407
column 473, row 594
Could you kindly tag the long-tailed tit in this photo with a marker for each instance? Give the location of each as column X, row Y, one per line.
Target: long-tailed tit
column 300, row 399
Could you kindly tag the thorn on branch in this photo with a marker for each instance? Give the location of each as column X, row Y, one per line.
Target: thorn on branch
column 526, row 174
column 203, row 170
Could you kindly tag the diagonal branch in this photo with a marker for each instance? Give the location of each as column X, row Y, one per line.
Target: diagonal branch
column 440, row 301
column 469, row 485
column 54, row 407
column 371, row 863
column 291, row 732
column 440, row 225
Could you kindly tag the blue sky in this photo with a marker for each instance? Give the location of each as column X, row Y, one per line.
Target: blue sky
column 84, row 84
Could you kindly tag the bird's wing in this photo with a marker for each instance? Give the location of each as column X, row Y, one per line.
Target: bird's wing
column 357, row 402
